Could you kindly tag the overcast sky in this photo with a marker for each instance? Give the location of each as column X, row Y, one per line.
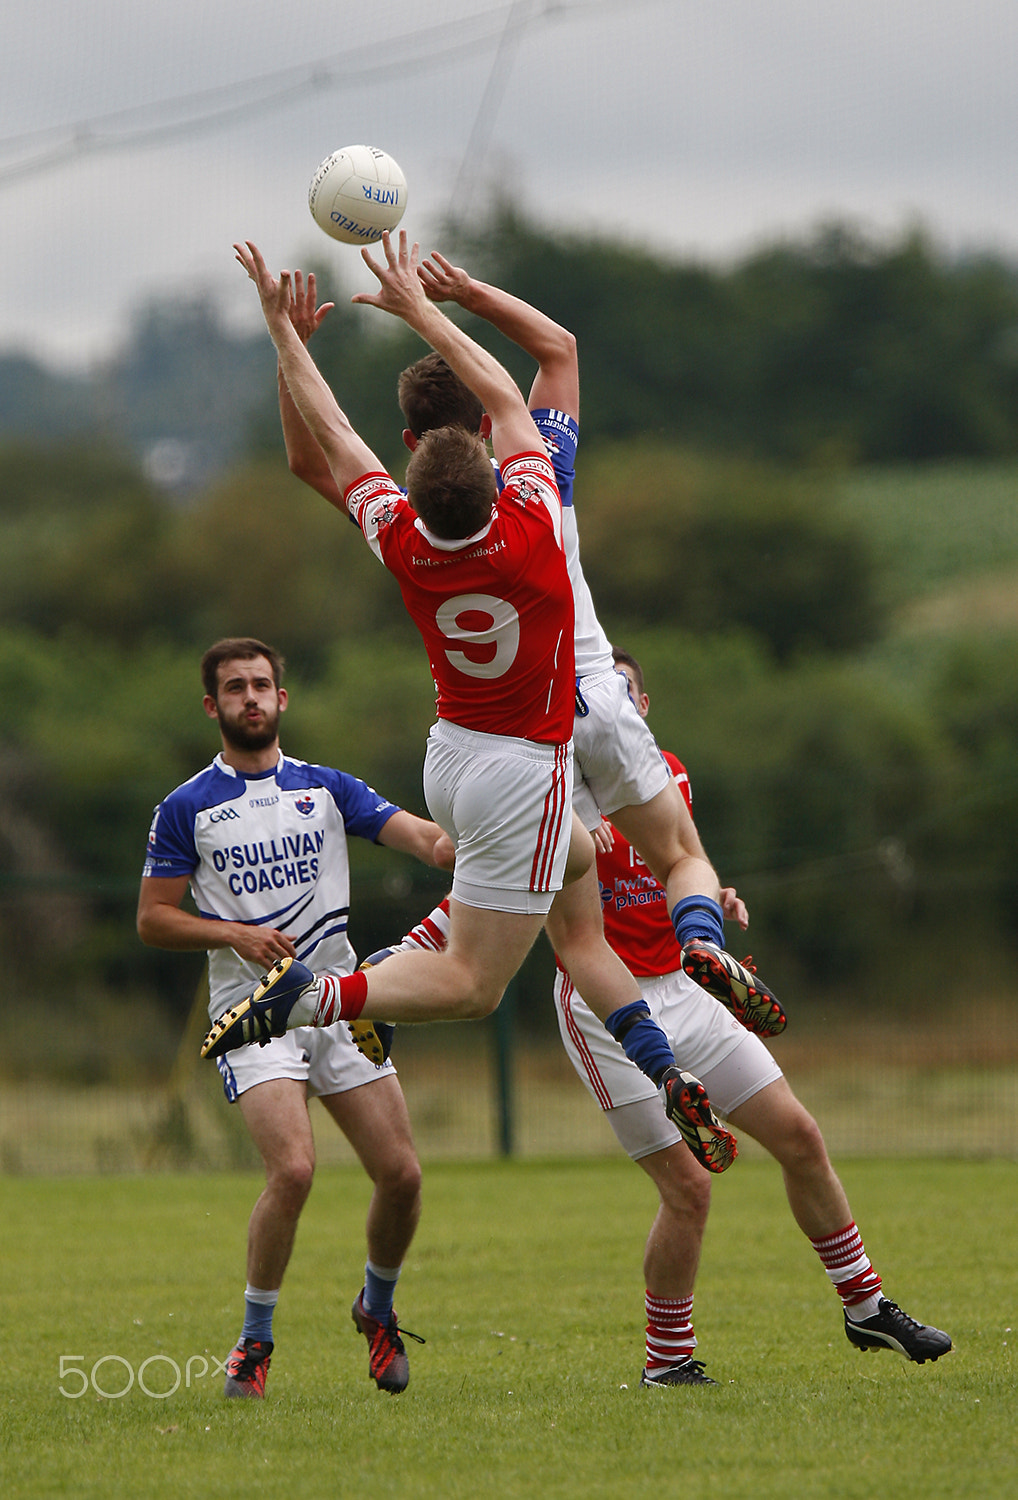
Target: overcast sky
column 137, row 141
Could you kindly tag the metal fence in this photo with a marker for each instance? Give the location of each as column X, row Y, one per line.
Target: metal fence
column 945, row 1087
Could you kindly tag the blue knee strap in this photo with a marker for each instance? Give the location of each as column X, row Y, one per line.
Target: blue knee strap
column 699, row 917
column 641, row 1038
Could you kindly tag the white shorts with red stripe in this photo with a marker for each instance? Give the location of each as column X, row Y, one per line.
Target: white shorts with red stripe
column 730, row 1061
column 618, row 763
column 507, row 806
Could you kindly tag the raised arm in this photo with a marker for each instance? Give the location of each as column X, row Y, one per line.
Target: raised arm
column 402, row 293
column 557, row 382
column 304, row 454
column 347, row 455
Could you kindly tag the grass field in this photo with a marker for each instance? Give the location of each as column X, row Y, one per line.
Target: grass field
column 526, row 1281
column 936, row 525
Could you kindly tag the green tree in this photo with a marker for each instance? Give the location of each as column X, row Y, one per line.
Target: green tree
column 825, row 795
column 264, row 555
column 975, row 697
column 673, row 538
column 83, row 538
column 838, row 346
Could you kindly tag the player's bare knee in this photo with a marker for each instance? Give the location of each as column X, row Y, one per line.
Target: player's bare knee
column 477, row 994
column 682, row 1184
column 400, row 1182
column 802, row 1146
column 688, row 1196
column 698, row 1195
column 290, row 1180
column 481, row 1002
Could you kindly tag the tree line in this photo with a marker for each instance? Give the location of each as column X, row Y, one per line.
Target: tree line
column 837, row 349
column 860, row 790
column 864, row 801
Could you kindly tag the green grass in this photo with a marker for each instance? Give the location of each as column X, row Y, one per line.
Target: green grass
column 526, row 1280
column 933, row 524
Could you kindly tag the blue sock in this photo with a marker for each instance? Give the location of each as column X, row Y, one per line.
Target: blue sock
column 641, row 1038
column 258, row 1309
column 379, row 1290
column 699, row 917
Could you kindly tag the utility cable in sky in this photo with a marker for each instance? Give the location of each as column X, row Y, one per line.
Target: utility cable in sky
column 201, row 113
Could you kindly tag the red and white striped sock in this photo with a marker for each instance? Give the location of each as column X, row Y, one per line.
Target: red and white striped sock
column 847, row 1264
column 432, row 933
column 670, row 1336
column 340, row 998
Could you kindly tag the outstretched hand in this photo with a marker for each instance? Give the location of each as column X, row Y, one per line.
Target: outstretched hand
column 734, row 907
column 276, row 295
column 442, row 281
column 400, row 290
column 305, row 316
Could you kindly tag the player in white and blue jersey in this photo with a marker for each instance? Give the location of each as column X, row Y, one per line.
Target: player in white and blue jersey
column 260, row 840
column 254, row 848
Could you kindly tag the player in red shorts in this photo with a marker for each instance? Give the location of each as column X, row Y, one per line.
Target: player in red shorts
column 486, row 584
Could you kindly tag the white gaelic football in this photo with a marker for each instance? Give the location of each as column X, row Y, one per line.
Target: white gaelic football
column 356, row 194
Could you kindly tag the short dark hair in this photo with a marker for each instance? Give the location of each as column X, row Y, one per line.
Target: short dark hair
column 237, row 648
column 624, row 659
column 450, row 482
column 432, row 395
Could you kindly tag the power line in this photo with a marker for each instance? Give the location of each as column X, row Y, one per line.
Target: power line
column 516, row 23
column 481, row 27
column 207, row 110
column 200, row 113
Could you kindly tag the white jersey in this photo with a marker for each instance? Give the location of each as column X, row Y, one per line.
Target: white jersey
column 268, row 849
column 592, row 647
column 616, row 759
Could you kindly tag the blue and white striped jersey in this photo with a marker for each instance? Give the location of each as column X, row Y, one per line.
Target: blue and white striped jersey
column 268, row 849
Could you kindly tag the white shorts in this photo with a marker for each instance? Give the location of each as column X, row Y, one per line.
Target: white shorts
column 323, row 1057
column 505, row 803
column 729, row 1061
column 618, row 763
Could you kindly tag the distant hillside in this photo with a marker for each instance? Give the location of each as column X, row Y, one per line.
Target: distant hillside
column 181, row 396
column 36, row 403
column 937, row 527
column 838, row 350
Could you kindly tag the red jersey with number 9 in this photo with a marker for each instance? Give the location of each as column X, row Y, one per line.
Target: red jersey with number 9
column 495, row 610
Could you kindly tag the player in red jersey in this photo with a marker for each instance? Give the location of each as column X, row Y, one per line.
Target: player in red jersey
column 487, row 585
column 433, row 396
column 618, row 770
column 748, row 1089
